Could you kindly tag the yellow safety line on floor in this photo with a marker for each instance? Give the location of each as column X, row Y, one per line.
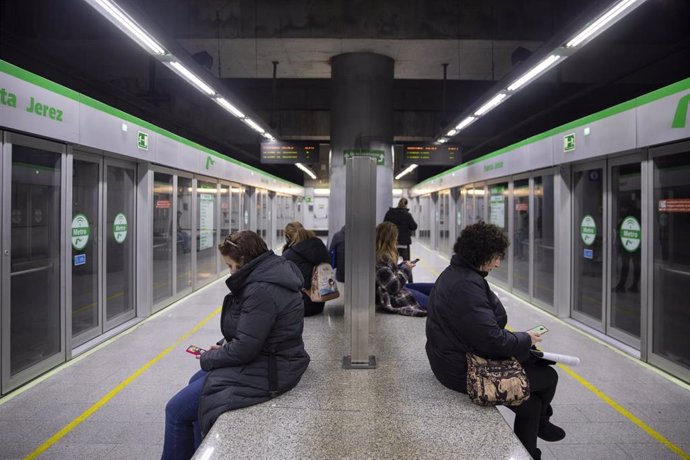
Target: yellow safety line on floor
column 600, row 394
column 104, row 400
column 626, row 413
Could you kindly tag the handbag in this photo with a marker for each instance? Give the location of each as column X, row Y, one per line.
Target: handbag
column 495, row 382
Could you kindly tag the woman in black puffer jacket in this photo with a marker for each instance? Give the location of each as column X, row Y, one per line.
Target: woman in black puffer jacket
column 306, row 250
column 464, row 315
column 261, row 354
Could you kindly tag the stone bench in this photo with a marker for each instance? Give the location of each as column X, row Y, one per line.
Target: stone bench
column 398, row 410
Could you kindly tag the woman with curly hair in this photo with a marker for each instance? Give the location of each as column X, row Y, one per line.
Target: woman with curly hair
column 464, row 315
column 393, row 292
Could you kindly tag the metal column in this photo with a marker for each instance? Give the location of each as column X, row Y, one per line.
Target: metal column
column 360, row 269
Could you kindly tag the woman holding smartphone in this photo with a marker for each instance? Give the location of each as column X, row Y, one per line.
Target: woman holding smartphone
column 261, row 354
column 394, row 293
column 464, row 315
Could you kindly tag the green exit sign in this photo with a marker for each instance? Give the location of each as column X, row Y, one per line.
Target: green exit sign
column 569, row 142
column 142, row 140
column 378, row 154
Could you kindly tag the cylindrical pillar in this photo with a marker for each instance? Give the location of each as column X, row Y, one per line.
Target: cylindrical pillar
column 361, row 118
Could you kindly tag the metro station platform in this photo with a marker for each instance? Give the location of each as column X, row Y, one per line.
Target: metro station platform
column 109, row 402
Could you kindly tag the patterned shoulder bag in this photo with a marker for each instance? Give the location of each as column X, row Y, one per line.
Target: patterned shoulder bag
column 495, row 382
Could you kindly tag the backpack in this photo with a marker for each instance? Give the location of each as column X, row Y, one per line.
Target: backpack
column 323, row 284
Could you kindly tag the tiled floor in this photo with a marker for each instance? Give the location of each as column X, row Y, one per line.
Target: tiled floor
column 130, row 425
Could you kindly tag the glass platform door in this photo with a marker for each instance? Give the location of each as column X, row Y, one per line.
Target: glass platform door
column 85, row 252
column 119, row 228
column 589, row 233
column 32, row 254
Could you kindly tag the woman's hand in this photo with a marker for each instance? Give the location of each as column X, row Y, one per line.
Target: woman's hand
column 212, row 347
column 536, row 338
column 409, row 264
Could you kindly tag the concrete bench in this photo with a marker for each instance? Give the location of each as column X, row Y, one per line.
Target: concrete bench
column 398, row 410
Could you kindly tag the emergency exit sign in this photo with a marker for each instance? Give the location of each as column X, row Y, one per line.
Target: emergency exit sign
column 569, row 142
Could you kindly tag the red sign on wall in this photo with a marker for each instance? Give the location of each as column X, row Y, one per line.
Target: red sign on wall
column 674, row 205
column 163, row 204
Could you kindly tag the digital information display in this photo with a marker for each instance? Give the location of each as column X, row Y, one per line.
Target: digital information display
column 289, row 153
column 432, row 155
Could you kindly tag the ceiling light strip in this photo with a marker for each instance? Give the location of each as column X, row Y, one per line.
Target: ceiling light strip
column 115, row 14
column 590, row 32
column 253, row 125
column 229, row 107
column 132, row 29
column 490, row 105
column 597, row 25
column 306, row 170
column 406, row 171
column 193, row 79
column 465, row 123
column 534, row 72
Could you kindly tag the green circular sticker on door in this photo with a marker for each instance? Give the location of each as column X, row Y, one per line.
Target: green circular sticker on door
column 120, row 228
column 588, row 230
column 630, row 234
column 80, row 232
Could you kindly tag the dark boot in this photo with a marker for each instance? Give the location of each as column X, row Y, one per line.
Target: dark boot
column 547, row 430
column 536, row 455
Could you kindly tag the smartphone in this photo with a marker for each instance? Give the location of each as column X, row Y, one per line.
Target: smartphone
column 196, row 351
column 541, row 330
column 415, row 261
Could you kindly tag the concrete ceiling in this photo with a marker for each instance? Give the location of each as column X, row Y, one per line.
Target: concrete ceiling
column 236, row 42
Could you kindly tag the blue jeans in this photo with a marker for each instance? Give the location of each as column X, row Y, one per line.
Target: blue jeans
column 182, row 431
column 420, row 291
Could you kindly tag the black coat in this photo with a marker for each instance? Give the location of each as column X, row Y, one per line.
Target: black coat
column 338, row 245
column 402, row 219
column 263, row 310
column 465, row 315
column 306, row 255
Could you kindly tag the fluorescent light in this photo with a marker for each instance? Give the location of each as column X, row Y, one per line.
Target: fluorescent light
column 443, row 140
column 253, row 125
column 229, row 107
column 533, row 72
column 406, row 171
column 397, row 192
column 308, row 171
column 595, row 27
column 193, row 79
column 452, row 132
column 131, row 28
column 465, row 122
column 491, row 104
column 268, row 136
column 322, row 191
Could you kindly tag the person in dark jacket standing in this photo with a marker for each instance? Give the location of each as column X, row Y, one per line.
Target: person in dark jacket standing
column 306, row 250
column 337, row 247
column 261, row 354
column 464, row 315
column 402, row 219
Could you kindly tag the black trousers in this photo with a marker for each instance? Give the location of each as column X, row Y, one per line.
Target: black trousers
column 404, row 251
column 542, row 382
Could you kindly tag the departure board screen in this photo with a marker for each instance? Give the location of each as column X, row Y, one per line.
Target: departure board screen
column 280, row 152
column 432, row 154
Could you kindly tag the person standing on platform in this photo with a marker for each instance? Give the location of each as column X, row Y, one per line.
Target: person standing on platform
column 306, row 250
column 402, row 219
column 337, row 249
column 261, row 354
